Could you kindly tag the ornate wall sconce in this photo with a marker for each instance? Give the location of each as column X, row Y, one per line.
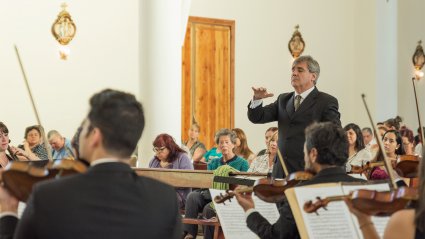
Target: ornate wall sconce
column 296, row 45
column 63, row 29
column 418, row 60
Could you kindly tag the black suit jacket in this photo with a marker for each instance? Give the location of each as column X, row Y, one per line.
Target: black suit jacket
column 285, row 226
column 108, row 201
column 316, row 107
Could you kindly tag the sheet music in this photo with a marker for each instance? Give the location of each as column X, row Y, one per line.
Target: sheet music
column 380, row 222
column 232, row 217
column 334, row 223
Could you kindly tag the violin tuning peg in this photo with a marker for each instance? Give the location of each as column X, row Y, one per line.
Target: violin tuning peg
column 317, row 214
column 324, row 207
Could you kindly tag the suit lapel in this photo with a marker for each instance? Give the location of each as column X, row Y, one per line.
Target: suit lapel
column 307, row 102
column 290, row 105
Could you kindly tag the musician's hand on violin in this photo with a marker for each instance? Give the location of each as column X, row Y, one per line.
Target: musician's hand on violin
column 261, row 93
column 8, row 203
column 245, row 200
column 361, row 217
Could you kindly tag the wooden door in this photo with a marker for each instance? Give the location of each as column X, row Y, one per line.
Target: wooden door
column 208, row 77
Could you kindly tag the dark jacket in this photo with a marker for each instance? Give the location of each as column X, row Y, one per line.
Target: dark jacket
column 316, row 107
column 108, row 201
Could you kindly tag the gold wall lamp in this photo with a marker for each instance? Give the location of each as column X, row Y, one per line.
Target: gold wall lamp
column 296, row 45
column 63, row 29
column 418, row 60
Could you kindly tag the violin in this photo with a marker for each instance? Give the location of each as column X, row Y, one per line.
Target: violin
column 365, row 169
column 267, row 189
column 370, row 202
column 19, row 177
column 407, row 166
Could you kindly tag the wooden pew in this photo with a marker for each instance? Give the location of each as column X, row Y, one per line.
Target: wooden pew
column 189, row 178
column 194, row 179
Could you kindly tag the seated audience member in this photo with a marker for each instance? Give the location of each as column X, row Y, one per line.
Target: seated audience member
column 5, row 158
column 107, row 201
column 393, row 149
column 169, row 155
column 61, row 146
column 264, row 163
column 33, row 147
column 357, row 154
column 381, row 129
column 407, row 140
column 393, row 123
column 418, row 141
column 269, row 132
column 241, row 146
column 213, row 153
column 196, row 148
column 326, row 153
column 407, row 223
column 199, row 200
column 369, row 141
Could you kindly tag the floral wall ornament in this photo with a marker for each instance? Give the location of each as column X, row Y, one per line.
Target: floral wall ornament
column 63, row 29
column 418, row 60
column 296, row 45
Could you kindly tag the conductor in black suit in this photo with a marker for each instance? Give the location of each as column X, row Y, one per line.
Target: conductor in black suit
column 109, row 200
column 294, row 111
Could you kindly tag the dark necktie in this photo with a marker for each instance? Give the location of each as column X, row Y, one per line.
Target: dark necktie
column 297, row 102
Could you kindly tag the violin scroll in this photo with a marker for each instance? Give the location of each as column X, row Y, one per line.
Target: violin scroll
column 310, row 207
column 223, row 198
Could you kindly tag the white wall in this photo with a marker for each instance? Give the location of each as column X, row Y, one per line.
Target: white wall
column 410, row 31
column 104, row 53
column 339, row 34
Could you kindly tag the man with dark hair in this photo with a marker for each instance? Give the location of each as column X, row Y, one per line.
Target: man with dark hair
column 294, row 111
column 109, row 200
column 325, row 153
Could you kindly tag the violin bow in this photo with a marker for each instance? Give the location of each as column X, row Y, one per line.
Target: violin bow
column 417, row 111
column 43, row 134
column 381, row 146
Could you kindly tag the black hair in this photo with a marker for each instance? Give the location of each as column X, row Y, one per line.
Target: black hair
column 120, row 119
column 330, row 141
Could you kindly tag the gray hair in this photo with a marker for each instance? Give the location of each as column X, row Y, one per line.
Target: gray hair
column 367, row 129
column 53, row 133
column 312, row 65
column 225, row 132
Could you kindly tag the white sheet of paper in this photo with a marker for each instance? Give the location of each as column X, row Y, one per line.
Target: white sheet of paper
column 380, row 222
column 336, row 216
column 232, row 217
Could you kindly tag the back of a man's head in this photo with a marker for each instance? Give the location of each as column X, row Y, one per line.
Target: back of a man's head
column 330, row 141
column 120, row 119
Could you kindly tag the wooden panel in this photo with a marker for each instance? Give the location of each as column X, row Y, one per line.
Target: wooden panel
column 186, row 86
column 188, row 178
column 209, row 96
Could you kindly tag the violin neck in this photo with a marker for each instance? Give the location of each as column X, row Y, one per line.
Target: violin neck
column 334, row 198
column 244, row 190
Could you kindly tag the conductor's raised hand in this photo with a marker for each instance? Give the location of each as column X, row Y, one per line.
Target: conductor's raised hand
column 261, row 93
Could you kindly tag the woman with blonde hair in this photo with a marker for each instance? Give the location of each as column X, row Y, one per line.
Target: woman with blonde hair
column 242, row 149
column 196, row 148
